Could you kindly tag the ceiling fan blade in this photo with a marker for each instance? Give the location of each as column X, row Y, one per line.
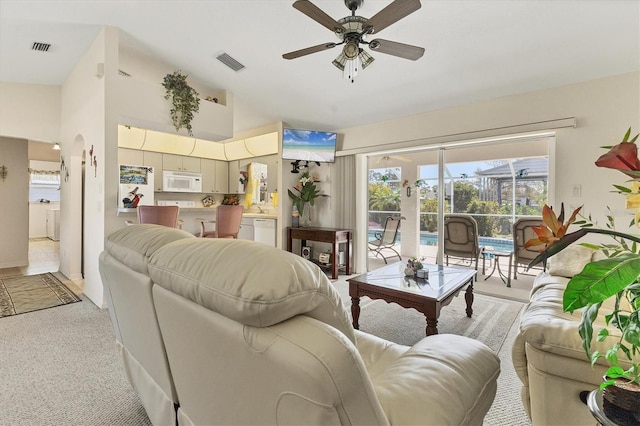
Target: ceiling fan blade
column 391, row 14
column 394, row 48
column 308, row 50
column 315, row 13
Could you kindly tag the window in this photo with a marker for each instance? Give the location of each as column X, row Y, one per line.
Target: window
column 44, row 185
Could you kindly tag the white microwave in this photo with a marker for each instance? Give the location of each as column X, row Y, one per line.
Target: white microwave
column 181, row 181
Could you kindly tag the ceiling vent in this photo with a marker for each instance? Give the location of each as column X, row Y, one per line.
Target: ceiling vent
column 230, row 62
column 123, row 73
column 40, row 47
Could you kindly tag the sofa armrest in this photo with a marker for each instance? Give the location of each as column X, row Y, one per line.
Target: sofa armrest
column 442, row 379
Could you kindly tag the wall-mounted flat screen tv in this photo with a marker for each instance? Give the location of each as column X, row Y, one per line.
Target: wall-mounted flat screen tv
column 308, row 145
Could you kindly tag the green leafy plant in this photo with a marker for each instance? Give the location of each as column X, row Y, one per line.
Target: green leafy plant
column 184, row 100
column 306, row 192
column 617, row 276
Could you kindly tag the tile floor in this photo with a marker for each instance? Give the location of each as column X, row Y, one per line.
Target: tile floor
column 44, row 256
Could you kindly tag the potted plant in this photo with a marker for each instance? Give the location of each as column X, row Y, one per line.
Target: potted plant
column 615, row 277
column 184, row 100
column 306, row 194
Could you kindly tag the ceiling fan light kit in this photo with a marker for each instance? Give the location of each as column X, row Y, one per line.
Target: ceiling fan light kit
column 352, row 30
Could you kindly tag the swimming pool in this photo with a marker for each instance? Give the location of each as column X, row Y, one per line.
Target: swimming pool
column 430, row 239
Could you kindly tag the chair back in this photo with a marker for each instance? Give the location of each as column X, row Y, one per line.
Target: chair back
column 272, row 329
column 461, row 236
column 159, row 215
column 123, row 269
column 390, row 232
column 522, row 232
column 228, row 219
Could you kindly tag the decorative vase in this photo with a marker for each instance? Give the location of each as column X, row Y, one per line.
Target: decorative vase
column 623, row 394
column 305, row 216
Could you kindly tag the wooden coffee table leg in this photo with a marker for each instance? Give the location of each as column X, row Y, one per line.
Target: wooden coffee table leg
column 355, row 311
column 432, row 326
column 468, row 296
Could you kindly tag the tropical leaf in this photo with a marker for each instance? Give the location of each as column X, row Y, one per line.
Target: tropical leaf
column 600, row 280
column 585, row 329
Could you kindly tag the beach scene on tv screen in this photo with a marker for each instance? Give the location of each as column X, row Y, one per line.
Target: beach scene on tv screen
column 308, row 145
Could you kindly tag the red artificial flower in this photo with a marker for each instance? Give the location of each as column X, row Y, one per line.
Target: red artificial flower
column 623, row 157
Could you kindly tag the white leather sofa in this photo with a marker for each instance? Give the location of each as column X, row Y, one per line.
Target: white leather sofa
column 547, row 352
column 257, row 335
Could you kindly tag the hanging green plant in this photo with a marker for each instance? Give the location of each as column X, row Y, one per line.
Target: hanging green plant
column 184, row 99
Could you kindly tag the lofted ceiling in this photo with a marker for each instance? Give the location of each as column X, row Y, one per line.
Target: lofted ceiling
column 475, row 50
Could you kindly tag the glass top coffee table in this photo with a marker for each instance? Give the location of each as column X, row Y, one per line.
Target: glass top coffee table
column 428, row 296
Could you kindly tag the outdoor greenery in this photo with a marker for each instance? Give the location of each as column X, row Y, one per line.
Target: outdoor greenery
column 383, row 198
column 385, row 194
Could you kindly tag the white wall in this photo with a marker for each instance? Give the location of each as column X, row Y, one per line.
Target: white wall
column 30, row 111
column 14, row 203
column 83, row 127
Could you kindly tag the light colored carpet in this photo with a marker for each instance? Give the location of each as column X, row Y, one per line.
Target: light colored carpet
column 60, row 366
column 21, row 294
column 490, row 323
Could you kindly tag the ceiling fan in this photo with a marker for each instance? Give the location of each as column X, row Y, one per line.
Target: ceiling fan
column 352, row 30
column 393, row 158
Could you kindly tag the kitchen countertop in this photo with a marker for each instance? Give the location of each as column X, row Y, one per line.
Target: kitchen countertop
column 207, row 210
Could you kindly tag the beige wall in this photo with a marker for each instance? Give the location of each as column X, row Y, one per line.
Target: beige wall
column 30, row 111
column 14, row 203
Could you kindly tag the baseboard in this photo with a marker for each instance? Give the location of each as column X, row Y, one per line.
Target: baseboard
column 14, row 264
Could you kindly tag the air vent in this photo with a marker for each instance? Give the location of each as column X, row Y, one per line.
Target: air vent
column 230, row 62
column 40, row 47
column 124, row 74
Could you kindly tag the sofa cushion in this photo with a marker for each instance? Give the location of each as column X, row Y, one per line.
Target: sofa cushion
column 570, row 261
column 133, row 245
column 251, row 283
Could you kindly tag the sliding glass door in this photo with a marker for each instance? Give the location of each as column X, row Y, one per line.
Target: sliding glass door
column 494, row 183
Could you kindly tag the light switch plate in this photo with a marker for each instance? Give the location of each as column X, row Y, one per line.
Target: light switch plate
column 576, row 190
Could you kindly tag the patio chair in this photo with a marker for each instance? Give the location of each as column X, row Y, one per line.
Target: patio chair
column 461, row 238
column 386, row 239
column 522, row 232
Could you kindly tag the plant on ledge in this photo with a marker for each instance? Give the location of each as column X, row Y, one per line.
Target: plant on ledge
column 184, row 100
column 306, row 192
column 617, row 276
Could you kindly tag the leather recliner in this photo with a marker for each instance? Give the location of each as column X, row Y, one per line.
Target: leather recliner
column 257, row 335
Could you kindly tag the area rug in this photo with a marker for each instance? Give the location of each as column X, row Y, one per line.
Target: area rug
column 490, row 323
column 28, row 293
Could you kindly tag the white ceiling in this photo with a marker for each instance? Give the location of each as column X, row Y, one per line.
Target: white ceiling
column 475, row 50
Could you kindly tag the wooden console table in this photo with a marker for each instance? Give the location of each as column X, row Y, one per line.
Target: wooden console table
column 325, row 235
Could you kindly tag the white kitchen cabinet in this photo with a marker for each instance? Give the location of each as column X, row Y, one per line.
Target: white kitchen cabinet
column 181, row 163
column 215, row 176
column 246, row 229
column 235, row 187
column 154, row 159
column 130, row 157
column 222, row 176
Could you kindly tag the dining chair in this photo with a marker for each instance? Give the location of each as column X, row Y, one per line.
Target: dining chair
column 387, row 239
column 159, row 215
column 523, row 232
column 461, row 238
column 227, row 223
